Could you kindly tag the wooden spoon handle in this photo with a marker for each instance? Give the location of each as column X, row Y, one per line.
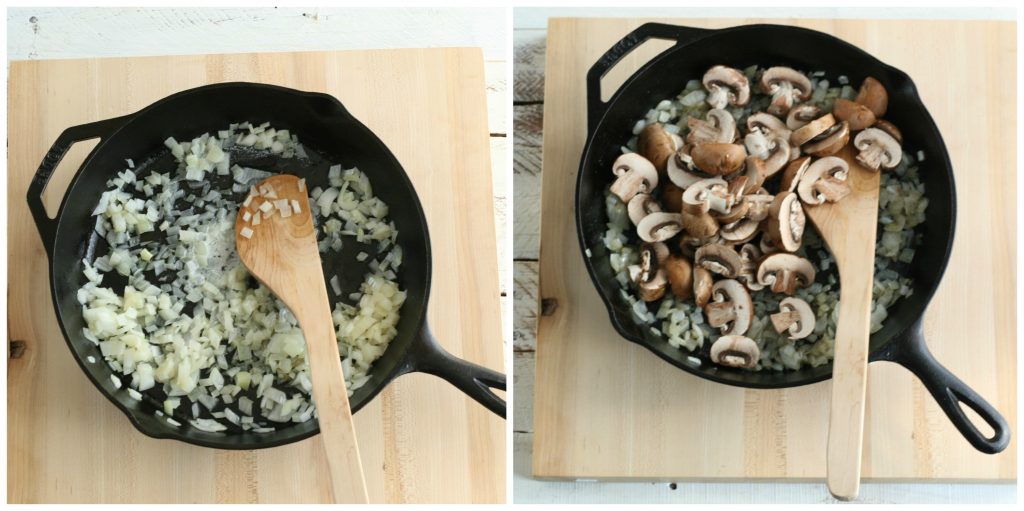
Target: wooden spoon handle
column 330, row 394
column 849, row 384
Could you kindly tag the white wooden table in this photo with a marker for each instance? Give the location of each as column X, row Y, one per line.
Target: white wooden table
column 529, row 38
column 65, row 33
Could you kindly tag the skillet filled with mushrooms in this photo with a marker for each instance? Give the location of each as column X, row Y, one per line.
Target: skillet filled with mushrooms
column 700, row 214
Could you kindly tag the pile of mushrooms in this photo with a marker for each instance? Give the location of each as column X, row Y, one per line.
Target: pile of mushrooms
column 713, row 231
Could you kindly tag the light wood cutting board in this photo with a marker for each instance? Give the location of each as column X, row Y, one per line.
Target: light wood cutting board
column 421, row 440
column 608, row 409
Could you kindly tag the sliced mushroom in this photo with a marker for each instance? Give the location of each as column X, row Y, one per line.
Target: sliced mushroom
column 750, row 256
column 757, row 144
column 756, row 171
column 641, row 205
column 659, row 226
column 830, row 141
column 767, row 246
column 874, row 96
column 656, row 145
column 760, row 202
column 795, row 316
column 736, row 212
column 720, row 259
column 672, row 197
column 824, row 181
column 787, row 87
column 889, row 128
column 812, row 129
column 636, row 175
column 768, row 124
column 856, row 114
column 680, row 169
column 651, row 280
column 739, row 231
column 793, row 173
column 785, row 273
column 877, row 149
column 800, row 115
column 680, row 276
column 778, row 158
column 719, row 127
column 702, row 284
column 730, row 309
column 688, row 245
column 714, row 191
column 735, row 351
column 786, row 222
column 726, row 86
column 718, row 159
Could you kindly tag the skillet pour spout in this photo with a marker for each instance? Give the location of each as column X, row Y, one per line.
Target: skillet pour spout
column 695, row 51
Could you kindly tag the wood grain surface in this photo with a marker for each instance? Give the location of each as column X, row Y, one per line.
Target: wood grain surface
column 607, row 409
column 421, row 440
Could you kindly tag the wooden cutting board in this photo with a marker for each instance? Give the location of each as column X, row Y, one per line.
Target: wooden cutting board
column 421, row 440
column 608, row 409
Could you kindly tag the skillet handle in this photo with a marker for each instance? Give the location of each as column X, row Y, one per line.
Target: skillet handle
column 48, row 226
column 949, row 391
column 679, row 34
column 427, row 356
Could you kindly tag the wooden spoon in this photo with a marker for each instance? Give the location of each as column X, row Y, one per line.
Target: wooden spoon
column 283, row 254
column 848, row 227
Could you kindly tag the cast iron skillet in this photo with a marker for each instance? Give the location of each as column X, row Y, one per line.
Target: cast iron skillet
column 331, row 134
column 610, row 123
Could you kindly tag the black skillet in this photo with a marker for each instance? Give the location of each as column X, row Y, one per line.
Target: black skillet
column 695, row 50
column 331, row 135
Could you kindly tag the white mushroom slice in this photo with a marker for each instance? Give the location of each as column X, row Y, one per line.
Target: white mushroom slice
column 785, row 273
column 750, row 256
column 760, row 202
column 726, row 86
column 787, row 87
column 718, row 159
column 720, row 259
column 779, row 156
column 641, row 205
column 794, row 316
column 800, row 115
column 659, row 226
column 768, row 124
column 713, row 191
column 794, row 173
column 824, row 181
column 678, row 170
column 735, row 351
column 812, row 129
column 730, row 309
column 830, row 141
column 786, row 222
column 719, row 127
column 877, row 149
column 757, row 144
column 635, row 175
column 739, row 231
column 657, row 145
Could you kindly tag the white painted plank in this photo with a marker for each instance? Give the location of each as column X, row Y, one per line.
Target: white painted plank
column 531, row 491
column 527, row 305
column 528, row 48
column 64, row 33
column 522, row 377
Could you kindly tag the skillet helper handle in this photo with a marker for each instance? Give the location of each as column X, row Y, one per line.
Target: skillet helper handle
column 48, row 226
column 949, row 392
column 680, row 34
column 474, row 380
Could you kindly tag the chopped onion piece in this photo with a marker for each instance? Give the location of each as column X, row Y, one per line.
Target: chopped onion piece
column 245, row 232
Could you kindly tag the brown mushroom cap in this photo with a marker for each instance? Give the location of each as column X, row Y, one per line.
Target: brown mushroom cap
column 718, row 159
column 787, row 87
column 652, row 280
column 756, row 172
column 731, row 309
column 726, row 86
column 659, row 226
column 702, row 283
column 824, row 181
column 719, row 127
column 812, row 129
column 794, row 315
column 785, row 273
column 636, row 175
column 656, row 145
column 735, row 351
column 793, row 173
column 856, row 114
column 750, row 255
column 830, row 141
column 877, row 149
column 889, row 128
column 874, row 96
column 720, row 259
column 641, row 205
column 680, row 276
column 786, row 222
column 800, row 115
column 680, row 169
column 672, row 197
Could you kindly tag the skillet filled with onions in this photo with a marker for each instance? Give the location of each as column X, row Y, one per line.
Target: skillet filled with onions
column 154, row 309
column 696, row 53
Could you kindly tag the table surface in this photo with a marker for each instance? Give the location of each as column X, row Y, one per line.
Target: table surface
column 528, row 85
column 397, row 438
